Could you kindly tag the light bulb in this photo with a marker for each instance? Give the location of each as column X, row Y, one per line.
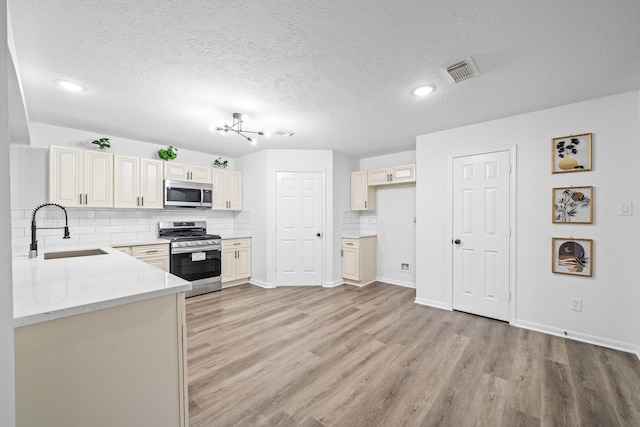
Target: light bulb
column 253, row 141
column 423, row 90
column 74, row 87
column 267, row 134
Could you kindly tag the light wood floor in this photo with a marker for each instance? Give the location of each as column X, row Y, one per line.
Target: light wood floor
column 369, row 356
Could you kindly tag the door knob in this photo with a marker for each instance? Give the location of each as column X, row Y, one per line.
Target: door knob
column 318, row 234
column 457, row 241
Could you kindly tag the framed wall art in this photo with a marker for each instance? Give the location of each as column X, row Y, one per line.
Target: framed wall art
column 572, row 256
column 571, row 153
column 572, row 205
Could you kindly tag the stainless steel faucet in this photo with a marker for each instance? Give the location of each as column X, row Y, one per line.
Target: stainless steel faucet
column 33, row 248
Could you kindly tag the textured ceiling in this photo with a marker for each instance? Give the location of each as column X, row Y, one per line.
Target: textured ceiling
column 337, row 73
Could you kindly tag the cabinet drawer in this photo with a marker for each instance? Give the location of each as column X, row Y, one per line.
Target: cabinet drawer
column 150, row 250
column 350, row 243
column 236, row 243
column 124, row 249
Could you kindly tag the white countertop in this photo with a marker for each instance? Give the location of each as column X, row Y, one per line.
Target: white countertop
column 235, row 236
column 54, row 288
column 357, row 236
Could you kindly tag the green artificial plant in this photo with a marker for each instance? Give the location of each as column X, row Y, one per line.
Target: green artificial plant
column 103, row 143
column 169, row 153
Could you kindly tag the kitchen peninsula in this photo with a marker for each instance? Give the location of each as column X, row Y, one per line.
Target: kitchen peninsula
column 100, row 340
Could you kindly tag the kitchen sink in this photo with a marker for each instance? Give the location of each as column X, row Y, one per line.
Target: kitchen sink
column 73, row 254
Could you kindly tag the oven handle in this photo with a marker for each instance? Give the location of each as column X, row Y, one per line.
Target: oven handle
column 191, row 249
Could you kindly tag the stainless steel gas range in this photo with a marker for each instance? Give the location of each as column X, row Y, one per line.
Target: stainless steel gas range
column 195, row 255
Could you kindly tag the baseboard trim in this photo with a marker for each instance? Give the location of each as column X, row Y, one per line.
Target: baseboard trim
column 396, row 282
column 433, row 303
column 358, row 285
column 262, row 284
column 333, row 284
column 578, row 336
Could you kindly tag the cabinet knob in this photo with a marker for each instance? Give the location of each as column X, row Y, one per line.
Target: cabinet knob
column 457, row 241
column 319, row 234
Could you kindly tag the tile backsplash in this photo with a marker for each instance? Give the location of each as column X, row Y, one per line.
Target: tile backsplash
column 112, row 226
column 358, row 223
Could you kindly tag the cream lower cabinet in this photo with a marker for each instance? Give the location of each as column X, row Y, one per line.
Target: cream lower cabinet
column 156, row 255
column 137, row 183
column 227, row 190
column 182, row 172
column 359, row 260
column 236, row 261
column 80, row 177
column 119, row 366
column 363, row 197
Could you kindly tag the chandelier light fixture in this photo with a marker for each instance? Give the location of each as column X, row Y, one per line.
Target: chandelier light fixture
column 236, row 127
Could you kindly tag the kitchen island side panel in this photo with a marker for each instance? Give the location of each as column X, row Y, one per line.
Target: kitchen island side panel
column 122, row 365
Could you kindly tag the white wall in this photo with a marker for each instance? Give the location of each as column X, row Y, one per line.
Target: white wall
column 7, row 376
column 342, row 167
column 394, row 216
column 254, row 183
column 610, row 315
column 44, row 135
column 259, row 174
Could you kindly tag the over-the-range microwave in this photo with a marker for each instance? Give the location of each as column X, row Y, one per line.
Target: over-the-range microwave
column 184, row 194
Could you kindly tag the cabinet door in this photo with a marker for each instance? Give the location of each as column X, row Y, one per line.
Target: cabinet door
column 220, row 200
column 66, row 176
column 379, row 176
column 363, row 197
column 233, row 190
column 351, row 263
column 200, row 174
column 176, row 171
column 405, row 173
column 228, row 266
column 243, row 263
column 125, row 179
column 161, row 262
column 151, row 186
column 98, row 179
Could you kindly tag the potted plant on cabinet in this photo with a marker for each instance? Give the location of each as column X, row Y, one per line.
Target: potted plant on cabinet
column 170, row 153
column 103, row 143
column 219, row 163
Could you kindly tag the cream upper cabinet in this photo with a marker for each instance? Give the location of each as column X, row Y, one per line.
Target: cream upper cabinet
column 363, row 197
column 182, row 172
column 137, row 182
column 151, row 185
column 227, row 190
column 394, row 175
column 80, row 178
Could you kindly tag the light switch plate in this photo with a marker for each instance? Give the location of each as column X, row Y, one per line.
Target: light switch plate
column 625, row 208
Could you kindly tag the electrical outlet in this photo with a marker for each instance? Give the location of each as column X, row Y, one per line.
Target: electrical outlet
column 576, row 304
column 404, row 266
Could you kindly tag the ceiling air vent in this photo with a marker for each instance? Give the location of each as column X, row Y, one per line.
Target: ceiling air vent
column 282, row 132
column 460, row 70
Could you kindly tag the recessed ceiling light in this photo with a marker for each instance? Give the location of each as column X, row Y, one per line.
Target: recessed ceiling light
column 74, row 87
column 423, row 90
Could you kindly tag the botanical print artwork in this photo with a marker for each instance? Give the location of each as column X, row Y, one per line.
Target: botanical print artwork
column 571, row 153
column 572, row 256
column 573, row 205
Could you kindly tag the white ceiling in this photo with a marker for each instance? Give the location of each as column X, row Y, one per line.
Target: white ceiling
column 337, row 73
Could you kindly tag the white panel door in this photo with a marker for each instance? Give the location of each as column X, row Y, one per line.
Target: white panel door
column 481, row 234
column 300, row 226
